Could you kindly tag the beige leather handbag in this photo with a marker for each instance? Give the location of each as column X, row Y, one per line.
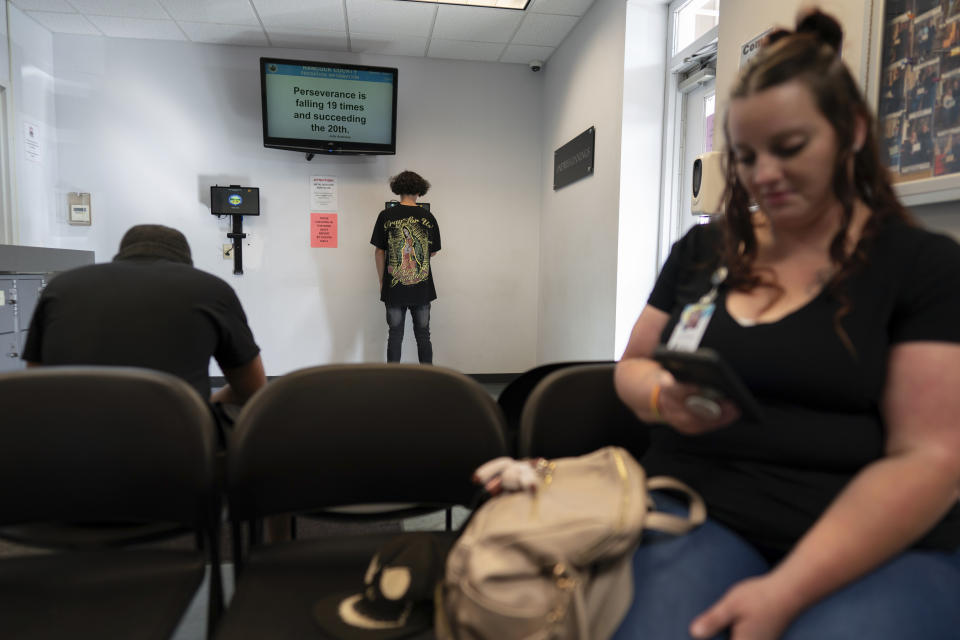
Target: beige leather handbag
column 556, row 562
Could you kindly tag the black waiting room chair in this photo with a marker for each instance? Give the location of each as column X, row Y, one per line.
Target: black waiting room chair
column 104, row 446
column 339, row 435
column 514, row 396
column 575, row 410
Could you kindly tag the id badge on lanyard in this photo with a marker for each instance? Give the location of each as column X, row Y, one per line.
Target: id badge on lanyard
column 696, row 316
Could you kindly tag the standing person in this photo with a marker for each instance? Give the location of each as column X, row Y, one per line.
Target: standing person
column 405, row 238
column 836, row 515
column 148, row 308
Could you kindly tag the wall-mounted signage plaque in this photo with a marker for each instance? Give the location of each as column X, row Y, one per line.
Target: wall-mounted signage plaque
column 574, row 160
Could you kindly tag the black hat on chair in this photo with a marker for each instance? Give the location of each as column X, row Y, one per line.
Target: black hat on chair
column 398, row 591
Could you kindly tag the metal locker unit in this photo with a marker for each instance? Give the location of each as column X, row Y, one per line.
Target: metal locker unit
column 24, row 271
column 28, row 293
column 9, row 326
column 20, row 294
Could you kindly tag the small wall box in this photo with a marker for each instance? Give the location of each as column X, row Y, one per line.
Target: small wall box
column 79, row 208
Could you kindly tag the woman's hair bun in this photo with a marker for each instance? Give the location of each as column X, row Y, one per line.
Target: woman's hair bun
column 819, row 25
column 825, row 28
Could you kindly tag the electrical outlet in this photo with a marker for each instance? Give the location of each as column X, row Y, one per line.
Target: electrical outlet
column 227, row 251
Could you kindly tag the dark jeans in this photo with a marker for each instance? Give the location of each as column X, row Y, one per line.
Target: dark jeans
column 396, row 317
column 914, row 595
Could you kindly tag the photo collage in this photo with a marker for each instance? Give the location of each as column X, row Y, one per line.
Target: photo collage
column 919, row 101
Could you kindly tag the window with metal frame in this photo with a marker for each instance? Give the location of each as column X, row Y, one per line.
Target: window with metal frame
column 689, row 110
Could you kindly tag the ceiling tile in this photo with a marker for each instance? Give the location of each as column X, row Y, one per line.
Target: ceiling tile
column 150, row 9
column 476, row 24
column 44, row 5
column 560, row 7
column 525, row 53
column 308, row 39
column 65, row 23
column 390, row 17
column 388, row 45
column 544, row 30
column 133, row 28
column 296, row 15
column 218, row 11
column 505, row 4
column 225, row 34
column 384, row 27
column 459, row 50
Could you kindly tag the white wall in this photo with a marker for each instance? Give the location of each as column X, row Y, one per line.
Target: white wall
column 579, row 225
column 40, row 220
column 742, row 20
column 7, row 235
column 640, row 172
column 147, row 126
column 4, row 47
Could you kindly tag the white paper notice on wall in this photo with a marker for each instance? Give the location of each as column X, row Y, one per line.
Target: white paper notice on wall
column 32, row 142
column 323, row 193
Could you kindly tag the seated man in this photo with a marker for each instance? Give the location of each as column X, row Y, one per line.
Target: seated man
column 148, row 308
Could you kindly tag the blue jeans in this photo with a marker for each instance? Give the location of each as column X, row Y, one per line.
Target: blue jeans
column 913, row 596
column 396, row 317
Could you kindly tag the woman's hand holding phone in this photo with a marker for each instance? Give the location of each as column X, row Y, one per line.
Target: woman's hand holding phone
column 680, row 405
column 706, row 370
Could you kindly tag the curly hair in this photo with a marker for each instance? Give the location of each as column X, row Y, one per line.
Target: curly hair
column 408, row 183
column 810, row 55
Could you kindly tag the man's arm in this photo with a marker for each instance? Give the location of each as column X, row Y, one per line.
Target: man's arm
column 380, row 259
column 242, row 382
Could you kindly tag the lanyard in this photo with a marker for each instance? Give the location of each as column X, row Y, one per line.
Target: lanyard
column 695, row 317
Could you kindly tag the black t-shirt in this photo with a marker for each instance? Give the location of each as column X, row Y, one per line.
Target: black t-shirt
column 141, row 312
column 822, row 420
column 408, row 235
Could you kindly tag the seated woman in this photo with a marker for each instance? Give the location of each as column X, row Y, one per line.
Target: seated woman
column 836, row 516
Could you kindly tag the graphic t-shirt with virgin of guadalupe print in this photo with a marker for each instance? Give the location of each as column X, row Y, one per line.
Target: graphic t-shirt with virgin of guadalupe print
column 407, row 235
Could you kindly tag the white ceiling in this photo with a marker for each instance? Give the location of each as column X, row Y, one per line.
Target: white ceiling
column 389, row 27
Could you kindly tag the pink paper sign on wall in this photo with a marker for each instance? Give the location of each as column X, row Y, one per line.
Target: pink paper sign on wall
column 323, row 230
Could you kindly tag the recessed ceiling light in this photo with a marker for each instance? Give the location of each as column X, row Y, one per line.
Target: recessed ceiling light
column 519, row 5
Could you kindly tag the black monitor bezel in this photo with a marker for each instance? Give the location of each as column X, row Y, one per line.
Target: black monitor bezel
column 327, row 146
column 232, row 213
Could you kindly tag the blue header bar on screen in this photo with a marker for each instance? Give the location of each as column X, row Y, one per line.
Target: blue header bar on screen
column 333, row 73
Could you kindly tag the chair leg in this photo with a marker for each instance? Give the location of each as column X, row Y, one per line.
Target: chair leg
column 255, row 529
column 449, row 513
column 236, row 540
column 215, row 599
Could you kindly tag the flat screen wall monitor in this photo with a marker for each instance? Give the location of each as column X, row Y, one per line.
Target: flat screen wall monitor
column 235, row 201
column 327, row 107
column 393, row 203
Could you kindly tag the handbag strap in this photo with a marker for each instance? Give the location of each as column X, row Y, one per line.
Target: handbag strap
column 668, row 522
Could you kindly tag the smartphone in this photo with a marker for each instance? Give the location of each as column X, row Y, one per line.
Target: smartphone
column 705, row 368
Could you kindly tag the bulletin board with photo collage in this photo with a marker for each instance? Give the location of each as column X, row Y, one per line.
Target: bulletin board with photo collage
column 918, row 105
